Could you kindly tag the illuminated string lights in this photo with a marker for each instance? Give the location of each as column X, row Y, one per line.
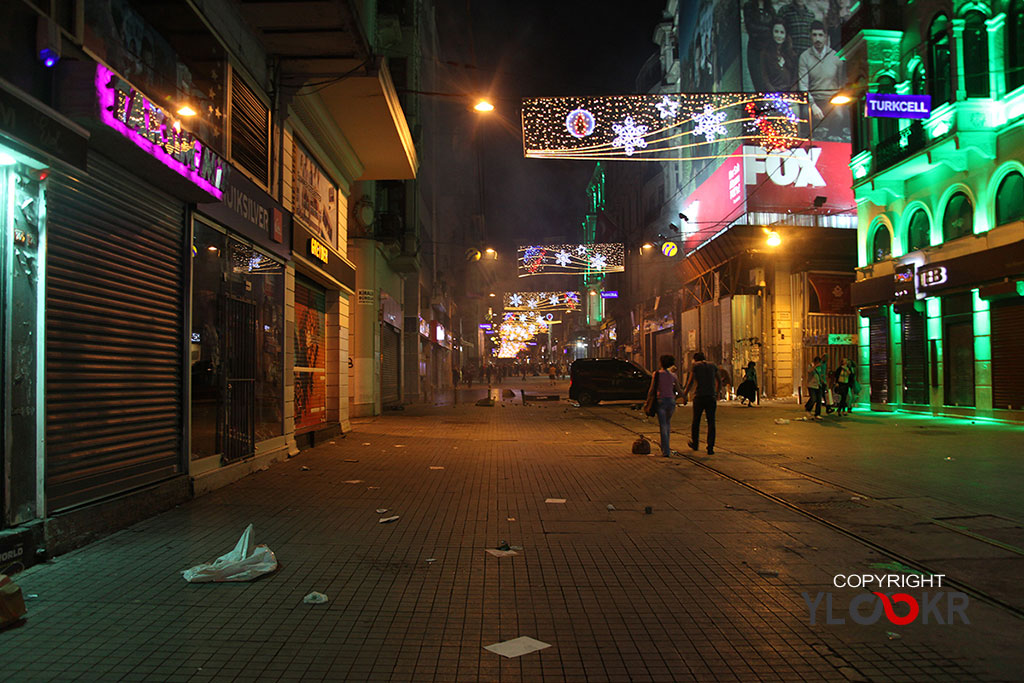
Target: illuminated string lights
column 571, row 259
column 675, row 127
column 538, row 302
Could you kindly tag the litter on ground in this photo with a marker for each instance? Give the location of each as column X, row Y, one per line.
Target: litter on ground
column 385, row 520
column 555, row 500
column 517, row 647
column 353, row 481
column 781, row 421
column 500, row 553
column 304, row 468
column 244, row 563
column 315, row 598
column 381, row 511
column 435, row 467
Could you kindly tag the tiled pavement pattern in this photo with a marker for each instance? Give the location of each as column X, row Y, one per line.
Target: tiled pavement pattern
column 621, row 595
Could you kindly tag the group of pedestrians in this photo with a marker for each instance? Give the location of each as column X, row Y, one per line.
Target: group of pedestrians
column 822, row 386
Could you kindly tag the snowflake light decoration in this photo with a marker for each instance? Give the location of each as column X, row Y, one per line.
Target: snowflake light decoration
column 629, row 136
column 516, row 300
column 709, row 123
column 667, row 107
column 554, row 299
column 567, row 259
column 598, row 262
column 537, row 303
column 532, row 303
column 562, row 258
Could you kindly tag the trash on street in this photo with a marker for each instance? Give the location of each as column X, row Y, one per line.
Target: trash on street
column 381, row 511
column 244, row 563
column 385, row 520
column 500, row 553
column 517, row 647
column 315, row 598
column 557, row 501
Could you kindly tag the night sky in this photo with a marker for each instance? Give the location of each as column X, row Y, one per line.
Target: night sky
column 529, row 48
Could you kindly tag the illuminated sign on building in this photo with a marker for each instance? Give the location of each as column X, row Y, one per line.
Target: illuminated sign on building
column 318, row 250
column 903, row 282
column 610, row 294
column 137, row 118
column 932, row 276
column 898, row 106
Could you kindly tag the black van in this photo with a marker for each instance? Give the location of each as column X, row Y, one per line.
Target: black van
column 592, row 380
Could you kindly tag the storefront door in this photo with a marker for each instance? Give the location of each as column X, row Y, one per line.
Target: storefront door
column 1008, row 354
column 310, row 355
column 879, row 356
column 915, row 358
column 958, row 350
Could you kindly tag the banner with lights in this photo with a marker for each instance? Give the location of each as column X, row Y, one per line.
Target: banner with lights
column 571, row 259
column 660, row 127
column 542, row 301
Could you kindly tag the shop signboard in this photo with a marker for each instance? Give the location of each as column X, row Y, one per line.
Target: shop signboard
column 781, row 181
column 898, row 106
column 315, row 197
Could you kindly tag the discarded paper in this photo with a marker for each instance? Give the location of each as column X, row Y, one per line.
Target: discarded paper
column 500, row 553
column 435, row 467
column 315, row 598
column 385, row 520
column 555, row 500
column 381, row 511
column 610, row 507
column 354, row 481
column 781, row 421
column 351, row 460
column 517, row 647
column 304, row 468
column 246, row 562
column 399, row 445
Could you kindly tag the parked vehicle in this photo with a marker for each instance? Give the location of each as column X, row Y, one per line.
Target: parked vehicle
column 592, row 380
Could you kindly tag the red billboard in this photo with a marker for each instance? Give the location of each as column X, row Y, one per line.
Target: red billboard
column 792, row 180
column 716, row 203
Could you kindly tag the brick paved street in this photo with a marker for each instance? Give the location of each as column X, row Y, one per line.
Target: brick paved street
column 706, row 587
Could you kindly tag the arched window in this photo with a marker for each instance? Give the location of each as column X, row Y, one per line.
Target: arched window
column 959, row 217
column 975, row 61
column 1014, row 45
column 1010, row 199
column 888, row 128
column 917, row 79
column 918, row 232
column 940, row 83
column 881, row 244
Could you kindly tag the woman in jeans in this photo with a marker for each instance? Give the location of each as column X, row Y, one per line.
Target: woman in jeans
column 665, row 387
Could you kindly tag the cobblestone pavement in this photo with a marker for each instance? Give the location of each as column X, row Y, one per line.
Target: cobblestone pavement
column 705, row 587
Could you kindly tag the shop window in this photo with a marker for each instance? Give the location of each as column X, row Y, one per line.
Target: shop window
column 958, row 220
column 940, row 82
column 918, row 231
column 1014, row 42
column 881, row 244
column 237, row 346
column 1010, row 199
column 975, row 58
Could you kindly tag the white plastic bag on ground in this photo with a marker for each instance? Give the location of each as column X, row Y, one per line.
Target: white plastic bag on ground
column 244, row 563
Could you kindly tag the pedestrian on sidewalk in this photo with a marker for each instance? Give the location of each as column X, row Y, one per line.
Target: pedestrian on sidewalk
column 456, row 376
column 487, row 374
column 747, row 390
column 843, row 375
column 664, row 389
column 816, row 383
column 551, row 373
column 703, row 380
column 467, row 374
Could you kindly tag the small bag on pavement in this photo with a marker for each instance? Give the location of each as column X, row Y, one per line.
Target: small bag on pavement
column 642, row 446
column 246, row 562
column 12, row 603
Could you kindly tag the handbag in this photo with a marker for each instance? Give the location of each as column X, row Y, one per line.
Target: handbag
column 649, row 405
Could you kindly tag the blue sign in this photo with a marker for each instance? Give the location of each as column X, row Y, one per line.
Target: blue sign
column 485, row 326
column 899, row 106
column 611, row 294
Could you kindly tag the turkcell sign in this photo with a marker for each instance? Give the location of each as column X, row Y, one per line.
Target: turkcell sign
column 899, row 106
column 610, row 294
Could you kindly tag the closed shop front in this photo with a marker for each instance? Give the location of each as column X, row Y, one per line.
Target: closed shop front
column 390, row 365
column 878, row 336
column 310, row 340
column 915, row 356
column 1007, row 317
column 115, row 331
column 958, row 349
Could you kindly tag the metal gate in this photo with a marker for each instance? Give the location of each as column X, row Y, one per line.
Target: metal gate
column 310, row 355
column 240, row 379
column 915, row 358
column 958, row 349
column 1008, row 354
column 878, row 339
column 390, row 345
column 114, row 334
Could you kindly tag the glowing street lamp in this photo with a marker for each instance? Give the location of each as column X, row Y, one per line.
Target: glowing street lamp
column 186, row 110
column 483, row 106
column 774, row 239
column 841, row 98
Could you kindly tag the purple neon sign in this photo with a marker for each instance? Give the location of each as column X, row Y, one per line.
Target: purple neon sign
column 134, row 116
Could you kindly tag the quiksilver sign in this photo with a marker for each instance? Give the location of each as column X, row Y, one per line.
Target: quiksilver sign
column 898, row 106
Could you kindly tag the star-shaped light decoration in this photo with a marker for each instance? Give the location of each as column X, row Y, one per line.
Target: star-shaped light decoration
column 667, row 107
column 581, row 249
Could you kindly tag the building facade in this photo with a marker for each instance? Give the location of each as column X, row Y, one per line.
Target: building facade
column 940, row 286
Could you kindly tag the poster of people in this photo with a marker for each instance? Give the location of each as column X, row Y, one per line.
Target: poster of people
column 314, row 197
column 708, row 54
column 790, row 45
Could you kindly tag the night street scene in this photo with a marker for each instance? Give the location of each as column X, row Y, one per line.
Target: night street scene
column 523, row 341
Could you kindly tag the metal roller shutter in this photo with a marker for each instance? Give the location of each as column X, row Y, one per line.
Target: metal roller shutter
column 310, row 355
column 114, row 330
column 879, row 348
column 390, row 345
column 1008, row 354
column 915, row 359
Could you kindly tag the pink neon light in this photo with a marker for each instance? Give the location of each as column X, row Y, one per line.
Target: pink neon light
column 107, row 97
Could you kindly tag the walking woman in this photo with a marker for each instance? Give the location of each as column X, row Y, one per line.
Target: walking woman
column 664, row 389
column 747, row 390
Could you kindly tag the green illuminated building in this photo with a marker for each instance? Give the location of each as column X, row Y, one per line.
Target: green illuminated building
column 941, row 206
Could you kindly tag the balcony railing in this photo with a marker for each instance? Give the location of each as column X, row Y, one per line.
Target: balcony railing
column 900, row 146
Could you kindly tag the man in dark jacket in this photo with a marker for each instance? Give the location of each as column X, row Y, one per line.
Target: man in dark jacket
column 704, row 381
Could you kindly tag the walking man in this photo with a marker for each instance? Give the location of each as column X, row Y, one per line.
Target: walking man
column 703, row 380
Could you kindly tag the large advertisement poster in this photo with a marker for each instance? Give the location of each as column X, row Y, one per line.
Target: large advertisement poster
column 310, row 356
column 708, row 52
column 315, row 197
column 791, row 47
